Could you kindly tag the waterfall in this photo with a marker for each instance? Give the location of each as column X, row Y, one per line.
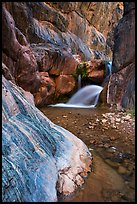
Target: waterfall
column 79, row 81
column 86, row 97
column 109, row 67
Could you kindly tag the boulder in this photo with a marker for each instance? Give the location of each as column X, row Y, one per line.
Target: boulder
column 96, row 71
column 65, row 84
column 45, row 94
column 39, row 159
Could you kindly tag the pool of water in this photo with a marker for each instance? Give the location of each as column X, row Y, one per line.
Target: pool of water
column 112, row 177
column 105, row 183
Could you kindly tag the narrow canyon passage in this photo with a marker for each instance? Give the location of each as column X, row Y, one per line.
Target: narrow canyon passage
column 109, row 136
column 68, row 101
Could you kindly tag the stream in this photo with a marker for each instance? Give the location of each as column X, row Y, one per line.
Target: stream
column 112, row 176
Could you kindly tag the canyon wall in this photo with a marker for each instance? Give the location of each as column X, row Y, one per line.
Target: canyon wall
column 121, row 86
column 74, row 25
column 43, row 42
column 41, row 50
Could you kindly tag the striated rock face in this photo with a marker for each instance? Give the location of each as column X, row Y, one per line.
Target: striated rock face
column 43, row 37
column 39, row 158
column 121, row 87
column 78, row 25
column 20, row 64
column 17, row 55
column 124, row 53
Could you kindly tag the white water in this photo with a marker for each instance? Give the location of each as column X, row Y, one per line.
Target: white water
column 109, row 67
column 86, row 97
column 79, row 81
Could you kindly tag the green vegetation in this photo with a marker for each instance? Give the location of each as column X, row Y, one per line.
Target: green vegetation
column 81, row 69
column 131, row 111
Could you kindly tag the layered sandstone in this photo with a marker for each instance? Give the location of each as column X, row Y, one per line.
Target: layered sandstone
column 41, row 37
column 77, row 25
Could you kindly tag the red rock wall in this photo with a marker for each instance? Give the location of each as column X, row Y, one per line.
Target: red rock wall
column 77, row 25
column 17, row 55
column 42, row 39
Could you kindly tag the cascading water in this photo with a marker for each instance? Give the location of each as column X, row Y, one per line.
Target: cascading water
column 79, row 81
column 86, row 97
column 109, row 67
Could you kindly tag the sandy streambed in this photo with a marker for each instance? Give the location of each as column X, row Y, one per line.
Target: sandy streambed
column 110, row 137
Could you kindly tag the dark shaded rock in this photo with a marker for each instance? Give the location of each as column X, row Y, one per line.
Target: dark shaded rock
column 43, row 12
column 124, row 44
column 6, row 72
column 128, row 6
column 116, row 16
column 20, row 37
column 43, row 23
column 39, row 158
column 121, row 88
column 20, row 16
column 103, row 95
column 19, row 58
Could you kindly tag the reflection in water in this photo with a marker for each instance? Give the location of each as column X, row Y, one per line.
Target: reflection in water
column 112, row 178
column 103, row 184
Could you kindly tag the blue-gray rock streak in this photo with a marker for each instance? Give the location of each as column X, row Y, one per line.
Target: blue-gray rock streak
column 39, row 158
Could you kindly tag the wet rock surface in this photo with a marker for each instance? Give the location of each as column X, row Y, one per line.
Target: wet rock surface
column 110, row 136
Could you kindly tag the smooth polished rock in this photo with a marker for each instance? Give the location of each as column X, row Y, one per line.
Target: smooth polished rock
column 39, row 158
